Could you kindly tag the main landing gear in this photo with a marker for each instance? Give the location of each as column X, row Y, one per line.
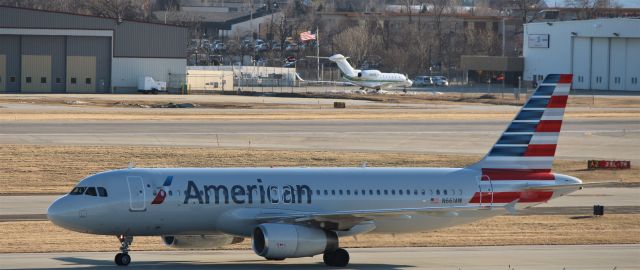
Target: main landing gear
column 123, row 258
column 336, row 258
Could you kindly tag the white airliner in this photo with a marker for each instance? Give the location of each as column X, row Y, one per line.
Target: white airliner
column 302, row 212
column 370, row 78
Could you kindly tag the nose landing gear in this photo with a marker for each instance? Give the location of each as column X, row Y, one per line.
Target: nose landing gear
column 123, row 258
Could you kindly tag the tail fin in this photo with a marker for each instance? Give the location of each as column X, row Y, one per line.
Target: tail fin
column 342, row 63
column 528, row 145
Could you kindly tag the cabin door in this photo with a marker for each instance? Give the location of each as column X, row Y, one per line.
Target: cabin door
column 136, row 193
column 486, row 191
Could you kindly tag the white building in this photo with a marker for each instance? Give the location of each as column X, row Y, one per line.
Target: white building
column 602, row 54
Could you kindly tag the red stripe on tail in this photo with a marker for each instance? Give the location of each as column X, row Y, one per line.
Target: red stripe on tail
column 558, row 102
column 565, row 78
column 517, row 174
column 549, row 126
column 540, row 150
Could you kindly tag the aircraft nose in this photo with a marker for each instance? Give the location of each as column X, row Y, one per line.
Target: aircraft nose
column 61, row 213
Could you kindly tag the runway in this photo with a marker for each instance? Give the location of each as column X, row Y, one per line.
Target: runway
column 504, row 257
column 579, row 139
column 617, row 200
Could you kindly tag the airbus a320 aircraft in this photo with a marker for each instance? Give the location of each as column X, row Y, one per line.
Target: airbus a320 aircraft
column 302, row 212
column 370, row 78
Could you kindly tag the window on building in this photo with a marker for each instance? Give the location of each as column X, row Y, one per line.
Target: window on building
column 355, row 192
column 74, row 80
column 378, row 191
column 28, row 79
column 400, row 192
column 340, row 192
column 348, row 192
column 386, row 192
column 87, row 81
column 318, row 192
column 326, row 192
column 12, row 79
column 393, row 192
column 333, row 192
column 437, row 192
column 58, row 80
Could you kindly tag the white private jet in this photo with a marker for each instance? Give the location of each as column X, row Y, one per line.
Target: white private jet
column 370, row 78
column 303, row 212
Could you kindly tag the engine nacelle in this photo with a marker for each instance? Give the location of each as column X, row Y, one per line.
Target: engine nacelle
column 200, row 241
column 279, row 241
column 370, row 74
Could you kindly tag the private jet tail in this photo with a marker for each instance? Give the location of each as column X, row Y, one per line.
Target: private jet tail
column 344, row 66
column 526, row 148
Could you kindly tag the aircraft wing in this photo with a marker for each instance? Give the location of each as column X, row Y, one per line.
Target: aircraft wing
column 344, row 220
column 578, row 186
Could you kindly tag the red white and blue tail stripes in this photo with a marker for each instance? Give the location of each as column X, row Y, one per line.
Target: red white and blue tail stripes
column 526, row 148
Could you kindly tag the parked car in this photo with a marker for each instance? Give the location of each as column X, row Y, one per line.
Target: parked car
column 262, row 47
column 440, row 81
column 276, row 46
column 423, row 81
column 219, row 47
column 292, row 47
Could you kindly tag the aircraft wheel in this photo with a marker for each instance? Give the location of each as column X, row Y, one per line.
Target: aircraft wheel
column 123, row 259
column 337, row 258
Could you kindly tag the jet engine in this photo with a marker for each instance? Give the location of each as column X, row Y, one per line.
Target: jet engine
column 279, row 241
column 200, row 241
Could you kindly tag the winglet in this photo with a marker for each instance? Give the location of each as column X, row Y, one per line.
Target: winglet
column 511, row 207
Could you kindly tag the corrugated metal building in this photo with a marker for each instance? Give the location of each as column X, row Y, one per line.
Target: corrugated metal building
column 43, row 51
column 602, row 54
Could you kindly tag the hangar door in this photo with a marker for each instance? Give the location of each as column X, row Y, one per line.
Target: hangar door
column 600, row 63
column 633, row 64
column 581, row 63
column 618, row 64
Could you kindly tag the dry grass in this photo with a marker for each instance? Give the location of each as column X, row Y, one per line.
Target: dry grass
column 503, row 230
column 422, row 106
column 56, row 169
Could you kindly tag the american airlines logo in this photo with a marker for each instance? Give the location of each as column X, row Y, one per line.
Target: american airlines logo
column 159, row 199
column 248, row 194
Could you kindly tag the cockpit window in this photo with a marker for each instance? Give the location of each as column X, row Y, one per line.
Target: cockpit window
column 77, row 191
column 102, row 191
column 91, row 191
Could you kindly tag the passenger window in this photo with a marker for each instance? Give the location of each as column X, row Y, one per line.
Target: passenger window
column 91, row 191
column 77, row 191
column 102, row 192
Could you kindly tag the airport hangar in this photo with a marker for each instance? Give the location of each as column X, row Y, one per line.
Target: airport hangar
column 602, row 54
column 53, row 52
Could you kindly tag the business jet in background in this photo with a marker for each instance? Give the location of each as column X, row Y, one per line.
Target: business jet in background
column 303, row 212
column 370, row 78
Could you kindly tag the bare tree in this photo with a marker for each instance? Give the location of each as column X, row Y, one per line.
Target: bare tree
column 590, row 8
column 357, row 42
